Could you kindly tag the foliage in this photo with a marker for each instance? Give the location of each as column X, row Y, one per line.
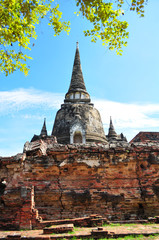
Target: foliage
column 106, row 20
column 19, row 18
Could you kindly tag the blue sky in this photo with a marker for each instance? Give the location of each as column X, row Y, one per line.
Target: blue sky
column 125, row 87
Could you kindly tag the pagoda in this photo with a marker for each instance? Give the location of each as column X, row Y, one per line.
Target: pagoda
column 78, row 121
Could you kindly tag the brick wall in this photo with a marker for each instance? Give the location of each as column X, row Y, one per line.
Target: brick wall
column 76, row 181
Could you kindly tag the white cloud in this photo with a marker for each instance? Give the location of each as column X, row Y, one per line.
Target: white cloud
column 128, row 115
column 31, row 116
column 19, row 99
column 129, row 118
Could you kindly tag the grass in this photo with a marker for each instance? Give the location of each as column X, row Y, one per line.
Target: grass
column 130, row 237
column 77, row 228
column 130, row 224
column 72, row 232
column 125, row 224
column 111, row 224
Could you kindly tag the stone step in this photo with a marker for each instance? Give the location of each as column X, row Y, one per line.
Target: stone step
column 65, row 228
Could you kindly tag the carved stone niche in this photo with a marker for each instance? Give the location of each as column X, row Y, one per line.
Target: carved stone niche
column 77, row 132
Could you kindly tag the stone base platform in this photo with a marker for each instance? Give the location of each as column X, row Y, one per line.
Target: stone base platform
column 109, row 231
column 65, row 228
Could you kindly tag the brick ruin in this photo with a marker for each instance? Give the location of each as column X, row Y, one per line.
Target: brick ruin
column 78, row 170
column 78, row 180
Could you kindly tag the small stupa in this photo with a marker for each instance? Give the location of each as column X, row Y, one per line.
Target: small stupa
column 113, row 136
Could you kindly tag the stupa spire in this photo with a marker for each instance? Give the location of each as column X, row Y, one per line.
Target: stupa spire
column 77, row 84
column 111, row 131
column 44, row 130
column 77, row 81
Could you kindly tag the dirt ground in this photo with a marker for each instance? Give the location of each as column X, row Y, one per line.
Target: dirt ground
column 127, row 228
